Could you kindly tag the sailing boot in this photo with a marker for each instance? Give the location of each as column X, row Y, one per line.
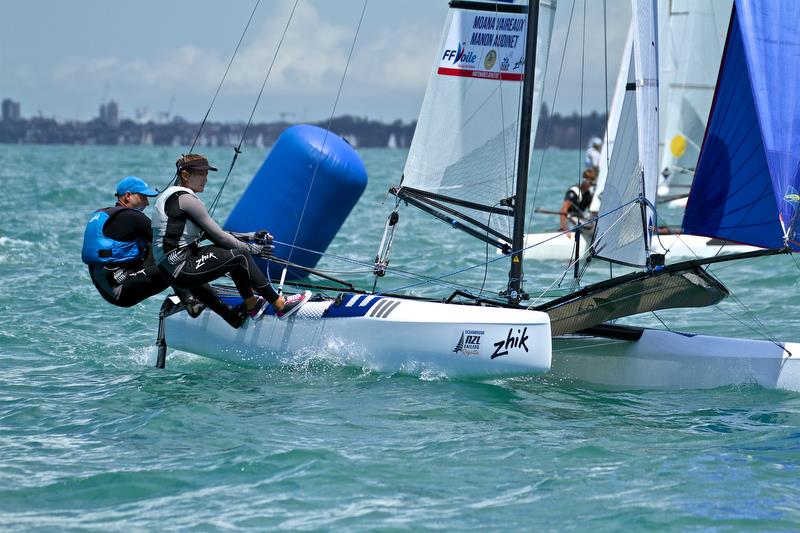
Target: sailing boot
column 293, row 304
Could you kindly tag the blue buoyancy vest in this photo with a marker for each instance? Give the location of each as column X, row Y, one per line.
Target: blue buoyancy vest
column 99, row 249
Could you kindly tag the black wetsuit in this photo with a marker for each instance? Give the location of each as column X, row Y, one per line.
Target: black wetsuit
column 579, row 201
column 127, row 284
column 180, row 220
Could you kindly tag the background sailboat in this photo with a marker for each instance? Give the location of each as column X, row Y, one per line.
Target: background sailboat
column 744, row 190
column 691, row 38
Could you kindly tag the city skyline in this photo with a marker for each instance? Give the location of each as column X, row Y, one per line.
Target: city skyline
column 159, row 61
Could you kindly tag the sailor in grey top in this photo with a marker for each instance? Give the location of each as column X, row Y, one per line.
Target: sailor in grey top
column 181, row 221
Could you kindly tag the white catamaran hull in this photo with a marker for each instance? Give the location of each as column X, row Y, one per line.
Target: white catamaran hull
column 388, row 334
column 666, row 360
column 561, row 246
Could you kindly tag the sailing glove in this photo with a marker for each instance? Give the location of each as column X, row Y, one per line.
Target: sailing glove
column 260, row 250
column 262, row 237
column 258, row 237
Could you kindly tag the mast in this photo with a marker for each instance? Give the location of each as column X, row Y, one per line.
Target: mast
column 514, row 292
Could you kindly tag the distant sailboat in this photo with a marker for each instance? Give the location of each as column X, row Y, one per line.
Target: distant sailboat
column 689, row 57
column 745, row 190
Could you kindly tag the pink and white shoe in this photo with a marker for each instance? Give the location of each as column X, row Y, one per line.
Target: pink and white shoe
column 292, row 304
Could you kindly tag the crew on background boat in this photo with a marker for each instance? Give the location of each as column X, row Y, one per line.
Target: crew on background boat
column 181, row 222
column 116, row 246
column 576, row 202
column 592, row 159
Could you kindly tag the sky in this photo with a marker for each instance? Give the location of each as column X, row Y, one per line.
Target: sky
column 63, row 59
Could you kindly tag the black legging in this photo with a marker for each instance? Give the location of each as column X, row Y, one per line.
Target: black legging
column 212, row 262
column 138, row 284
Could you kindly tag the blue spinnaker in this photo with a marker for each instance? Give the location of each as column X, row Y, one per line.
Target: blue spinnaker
column 748, row 175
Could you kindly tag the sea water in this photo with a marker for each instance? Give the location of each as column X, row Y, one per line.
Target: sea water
column 93, row 437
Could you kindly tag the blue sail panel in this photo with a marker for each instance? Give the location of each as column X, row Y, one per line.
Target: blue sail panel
column 732, row 196
column 771, row 34
column 747, row 178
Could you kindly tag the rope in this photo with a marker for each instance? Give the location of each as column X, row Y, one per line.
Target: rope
column 238, row 150
column 327, row 129
column 219, row 87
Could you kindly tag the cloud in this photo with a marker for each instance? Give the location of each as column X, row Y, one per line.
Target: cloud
column 311, row 60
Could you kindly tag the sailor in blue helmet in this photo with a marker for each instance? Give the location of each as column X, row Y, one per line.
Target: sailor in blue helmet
column 116, row 246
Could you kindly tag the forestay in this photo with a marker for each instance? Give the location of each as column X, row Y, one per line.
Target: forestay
column 465, row 145
column 623, row 231
column 747, row 184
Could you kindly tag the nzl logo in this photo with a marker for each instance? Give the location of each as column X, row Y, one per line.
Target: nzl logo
column 204, row 258
column 511, row 341
column 460, row 54
column 469, row 343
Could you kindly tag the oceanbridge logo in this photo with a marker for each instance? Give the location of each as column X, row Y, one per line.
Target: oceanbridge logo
column 470, row 342
column 460, row 55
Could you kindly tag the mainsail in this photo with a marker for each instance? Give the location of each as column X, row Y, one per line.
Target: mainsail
column 692, row 48
column 614, row 114
column 463, row 156
column 747, row 185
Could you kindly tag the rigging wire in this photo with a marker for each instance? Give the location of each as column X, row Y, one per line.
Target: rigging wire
column 605, row 77
column 583, row 74
column 219, row 87
column 327, row 129
column 552, row 106
column 238, row 149
column 629, row 205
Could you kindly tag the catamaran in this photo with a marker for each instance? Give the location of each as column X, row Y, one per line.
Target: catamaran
column 459, row 171
column 745, row 190
column 460, row 140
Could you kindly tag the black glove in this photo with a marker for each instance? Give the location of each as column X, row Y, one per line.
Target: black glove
column 262, row 237
column 258, row 237
column 260, row 250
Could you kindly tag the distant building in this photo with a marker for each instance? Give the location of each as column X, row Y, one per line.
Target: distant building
column 11, row 110
column 109, row 114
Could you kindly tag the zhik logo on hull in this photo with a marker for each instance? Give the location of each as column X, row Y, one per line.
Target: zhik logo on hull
column 511, row 341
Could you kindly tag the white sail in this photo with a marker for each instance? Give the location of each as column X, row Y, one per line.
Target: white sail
column 464, row 145
column 693, row 49
column 623, row 231
column 607, row 151
column 618, row 233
